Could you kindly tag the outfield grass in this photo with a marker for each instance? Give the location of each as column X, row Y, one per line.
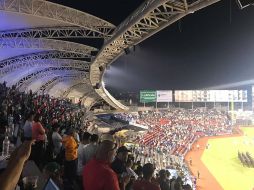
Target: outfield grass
column 221, row 159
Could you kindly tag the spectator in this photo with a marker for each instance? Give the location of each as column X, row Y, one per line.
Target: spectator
column 71, row 156
column 97, row 173
column 178, row 184
column 57, row 140
column 131, row 173
column 38, row 134
column 139, row 169
column 90, row 149
column 28, row 127
column 84, row 142
column 168, row 176
column 146, row 183
column 129, row 165
column 164, row 185
column 119, row 164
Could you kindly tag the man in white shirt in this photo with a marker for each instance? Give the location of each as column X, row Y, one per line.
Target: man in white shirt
column 56, row 139
column 90, row 149
column 85, row 139
column 130, row 171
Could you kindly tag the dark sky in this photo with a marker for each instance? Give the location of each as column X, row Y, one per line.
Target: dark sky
column 211, row 47
column 205, row 49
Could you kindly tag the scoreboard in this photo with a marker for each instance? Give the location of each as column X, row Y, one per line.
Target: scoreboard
column 211, row 96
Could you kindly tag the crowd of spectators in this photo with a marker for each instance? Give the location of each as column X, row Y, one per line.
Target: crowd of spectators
column 171, row 134
column 54, row 135
column 174, row 130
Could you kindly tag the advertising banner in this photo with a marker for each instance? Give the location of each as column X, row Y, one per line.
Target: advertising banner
column 184, row 96
column 164, row 96
column 147, row 96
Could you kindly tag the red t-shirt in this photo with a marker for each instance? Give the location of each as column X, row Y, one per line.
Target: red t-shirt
column 38, row 132
column 97, row 175
column 145, row 185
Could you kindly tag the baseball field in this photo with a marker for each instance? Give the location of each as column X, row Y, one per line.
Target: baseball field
column 219, row 165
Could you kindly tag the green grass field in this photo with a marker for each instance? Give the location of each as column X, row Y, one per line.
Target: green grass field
column 222, row 161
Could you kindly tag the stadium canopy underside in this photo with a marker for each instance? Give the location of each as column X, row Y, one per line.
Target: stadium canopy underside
column 41, row 50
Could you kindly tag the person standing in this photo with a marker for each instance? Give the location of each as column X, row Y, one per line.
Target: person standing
column 85, row 139
column 146, row 182
column 71, row 157
column 38, row 134
column 164, row 185
column 57, row 141
column 119, row 164
column 97, row 173
column 28, row 126
column 90, row 150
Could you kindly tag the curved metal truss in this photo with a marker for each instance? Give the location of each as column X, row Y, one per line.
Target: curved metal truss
column 151, row 17
column 45, row 63
column 90, row 100
column 51, row 71
column 42, row 55
column 49, row 44
column 45, row 9
column 67, row 91
column 54, row 32
column 86, row 94
column 46, row 87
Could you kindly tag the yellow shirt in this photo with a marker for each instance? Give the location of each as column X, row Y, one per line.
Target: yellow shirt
column 71, row 148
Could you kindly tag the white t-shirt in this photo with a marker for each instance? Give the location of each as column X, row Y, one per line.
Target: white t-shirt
column 57, row 142
column 80, row 158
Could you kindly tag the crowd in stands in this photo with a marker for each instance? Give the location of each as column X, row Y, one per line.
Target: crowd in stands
column 171, row 133
column 173, row 130
column 54, row 135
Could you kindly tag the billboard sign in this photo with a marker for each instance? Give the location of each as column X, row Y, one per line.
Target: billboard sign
column 147, row 96
column 164, row 96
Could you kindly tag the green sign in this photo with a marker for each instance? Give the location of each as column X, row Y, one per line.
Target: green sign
column 147, row 96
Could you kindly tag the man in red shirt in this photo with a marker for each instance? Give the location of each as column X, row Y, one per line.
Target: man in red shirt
column 97, row 173
column 146, row 183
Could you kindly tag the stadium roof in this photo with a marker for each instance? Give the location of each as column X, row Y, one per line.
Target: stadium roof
column 63, row 48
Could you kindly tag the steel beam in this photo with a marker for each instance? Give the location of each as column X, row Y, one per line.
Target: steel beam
column 42, row 55
column 151, row 17
column 46, row 87
column 53, row 33
column 51, row 71
column 4, row 70
column 68, row 90
column 48, row 44
column 60, row 13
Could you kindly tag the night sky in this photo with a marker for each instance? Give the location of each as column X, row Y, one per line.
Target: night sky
column 211, row 47
column 205, row 49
